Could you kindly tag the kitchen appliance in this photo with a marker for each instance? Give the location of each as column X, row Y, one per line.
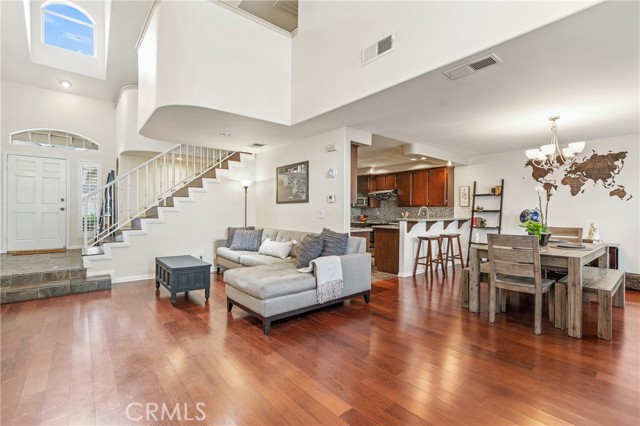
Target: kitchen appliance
column 384, row 194
column 362, row 201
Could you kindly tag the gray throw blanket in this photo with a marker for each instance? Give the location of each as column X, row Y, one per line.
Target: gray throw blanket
column 329, row 282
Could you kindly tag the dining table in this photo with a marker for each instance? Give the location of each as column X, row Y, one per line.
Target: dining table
column 571, row 257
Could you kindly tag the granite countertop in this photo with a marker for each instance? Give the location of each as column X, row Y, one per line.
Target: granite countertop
column 432, row 219
column 397, row 226
column 367, row 229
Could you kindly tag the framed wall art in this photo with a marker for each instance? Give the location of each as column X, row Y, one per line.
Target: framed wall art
column 292, row 183
column 464, row 196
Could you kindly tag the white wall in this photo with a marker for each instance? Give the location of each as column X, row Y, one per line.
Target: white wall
column 326, row 64
column 191, row 228
column 304, row 216
column 28, row 107
column 128, row 138
column 618, row 220
column 198, row 53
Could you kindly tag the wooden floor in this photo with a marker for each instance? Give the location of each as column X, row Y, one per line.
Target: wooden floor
column 412, row 356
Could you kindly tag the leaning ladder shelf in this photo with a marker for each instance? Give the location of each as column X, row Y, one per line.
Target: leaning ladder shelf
column 490, row 213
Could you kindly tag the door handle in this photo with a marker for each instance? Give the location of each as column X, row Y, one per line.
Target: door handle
column 61, row 209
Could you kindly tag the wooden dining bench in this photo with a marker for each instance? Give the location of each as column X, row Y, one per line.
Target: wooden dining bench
column 605, row 286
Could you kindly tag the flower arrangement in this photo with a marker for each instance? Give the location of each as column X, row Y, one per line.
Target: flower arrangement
column 548, row 190
column 536, row 222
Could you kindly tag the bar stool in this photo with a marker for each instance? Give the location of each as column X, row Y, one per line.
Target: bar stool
column 430, row 258
column 450, row 251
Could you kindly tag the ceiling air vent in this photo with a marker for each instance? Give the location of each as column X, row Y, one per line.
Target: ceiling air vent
column 473, row 66
column 378, row 49
column 257, row 145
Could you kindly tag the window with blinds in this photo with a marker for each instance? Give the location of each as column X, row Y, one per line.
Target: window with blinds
column 89, row 182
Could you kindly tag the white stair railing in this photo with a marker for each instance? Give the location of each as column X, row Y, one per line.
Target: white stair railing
column 114, row 205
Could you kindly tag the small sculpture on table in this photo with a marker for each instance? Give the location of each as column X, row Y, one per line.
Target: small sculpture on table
column 594, row 234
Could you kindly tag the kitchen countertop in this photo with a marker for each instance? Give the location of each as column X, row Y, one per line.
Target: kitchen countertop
column 386, row 227
column 367, row 229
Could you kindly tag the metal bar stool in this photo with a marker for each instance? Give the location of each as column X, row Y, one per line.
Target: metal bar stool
column 430, row 258
column 450, row 251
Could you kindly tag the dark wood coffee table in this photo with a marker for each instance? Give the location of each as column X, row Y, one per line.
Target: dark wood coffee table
column 180, row 274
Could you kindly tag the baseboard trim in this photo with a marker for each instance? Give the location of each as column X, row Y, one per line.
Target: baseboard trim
column 632, row 281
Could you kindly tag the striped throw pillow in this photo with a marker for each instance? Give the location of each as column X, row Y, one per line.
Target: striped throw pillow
column 309, row 248
column 335, row 243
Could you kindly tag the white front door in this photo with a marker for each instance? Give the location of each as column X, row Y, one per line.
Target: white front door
column 37, row 203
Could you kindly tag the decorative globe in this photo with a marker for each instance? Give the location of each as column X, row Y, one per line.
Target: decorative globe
column 530, row 214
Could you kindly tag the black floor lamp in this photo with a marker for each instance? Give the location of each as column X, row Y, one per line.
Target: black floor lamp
column 245, row 185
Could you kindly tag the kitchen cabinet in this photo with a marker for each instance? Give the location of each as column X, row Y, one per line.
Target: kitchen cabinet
column 385, row 182
column 386, row 249
column 440, row 187
column 428, row 187
column 420, row 188
column 354, row 174
column 403, row 183
column 363, row 185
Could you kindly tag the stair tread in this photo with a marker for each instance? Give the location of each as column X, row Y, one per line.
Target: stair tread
column 56, row 283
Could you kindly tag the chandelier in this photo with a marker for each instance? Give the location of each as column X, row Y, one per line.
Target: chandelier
column 550, row 155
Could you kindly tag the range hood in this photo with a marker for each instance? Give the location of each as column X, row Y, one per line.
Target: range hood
column 384, row 194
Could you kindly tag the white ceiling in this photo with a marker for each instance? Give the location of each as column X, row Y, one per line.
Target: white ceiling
column 127, row 19
column 585, row 68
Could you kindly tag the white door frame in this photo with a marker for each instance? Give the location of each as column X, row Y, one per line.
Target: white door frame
column 5, row 195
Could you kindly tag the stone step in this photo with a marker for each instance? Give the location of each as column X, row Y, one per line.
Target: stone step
column 55, row 288
column 29, row 279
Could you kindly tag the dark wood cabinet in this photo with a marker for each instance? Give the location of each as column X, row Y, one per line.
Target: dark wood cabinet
column 439, row 187
column 420, row 188
column 363, row 185
column 427, row 187
column 403, row 182
column 384, row 182
column 354, row 174
column 386, row 249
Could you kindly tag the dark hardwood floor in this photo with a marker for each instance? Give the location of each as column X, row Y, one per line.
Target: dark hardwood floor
column 412, row 356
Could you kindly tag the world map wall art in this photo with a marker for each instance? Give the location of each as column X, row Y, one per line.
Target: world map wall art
column 597, row 169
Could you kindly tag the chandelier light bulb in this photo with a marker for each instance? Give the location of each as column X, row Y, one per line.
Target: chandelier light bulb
column 551, row 155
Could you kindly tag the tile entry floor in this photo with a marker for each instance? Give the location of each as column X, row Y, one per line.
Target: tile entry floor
column 32, row 263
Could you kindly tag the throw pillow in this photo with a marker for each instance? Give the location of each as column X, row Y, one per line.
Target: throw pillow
column 275, row 248
column 309, row 248
column 245, row 239
column 335, row 243
column 231, row 231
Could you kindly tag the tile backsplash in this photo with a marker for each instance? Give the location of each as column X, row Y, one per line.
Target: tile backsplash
column 389, row 211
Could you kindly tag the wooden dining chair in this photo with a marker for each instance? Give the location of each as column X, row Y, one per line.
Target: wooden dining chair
column 571, row 235
column 514, row 264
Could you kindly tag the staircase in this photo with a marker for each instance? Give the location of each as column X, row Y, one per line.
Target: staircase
column 111, row 208
column 187, row 216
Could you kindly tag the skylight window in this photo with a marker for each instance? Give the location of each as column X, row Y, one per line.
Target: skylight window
column 68, row 28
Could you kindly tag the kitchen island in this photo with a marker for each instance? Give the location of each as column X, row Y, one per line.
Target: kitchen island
column 411, row 228
column 386, row 248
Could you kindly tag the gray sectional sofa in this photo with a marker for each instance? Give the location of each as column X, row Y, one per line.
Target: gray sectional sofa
column 270, row 288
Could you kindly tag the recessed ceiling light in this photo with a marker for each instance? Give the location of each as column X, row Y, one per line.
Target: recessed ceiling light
column 413, row 159
column 225, row 135
column 423, row 158
column 65, row 83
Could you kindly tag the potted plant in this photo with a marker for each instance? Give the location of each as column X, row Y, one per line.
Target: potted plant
column 539, row 226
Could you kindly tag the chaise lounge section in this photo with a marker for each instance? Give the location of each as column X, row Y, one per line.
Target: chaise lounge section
column 275, row 289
